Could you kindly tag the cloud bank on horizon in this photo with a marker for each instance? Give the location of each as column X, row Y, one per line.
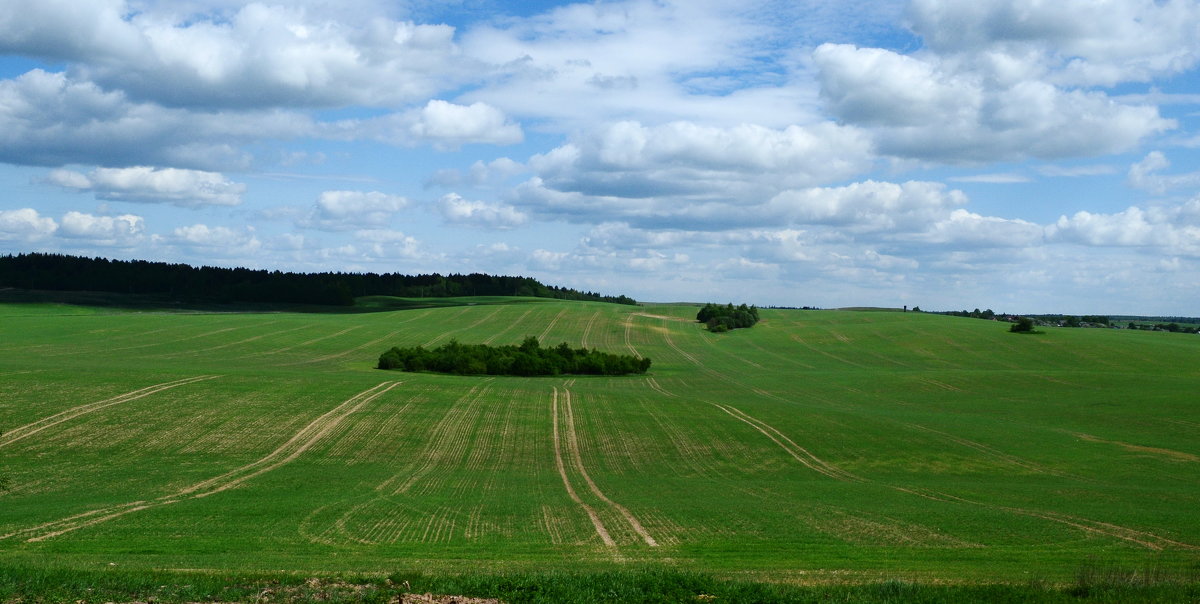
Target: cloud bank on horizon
column 1014, row 154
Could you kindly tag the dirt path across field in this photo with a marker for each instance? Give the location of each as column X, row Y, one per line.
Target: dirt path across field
column 573, row 447
column 285, row 453
column 801, row 454
column 562, row 471
column 1176, row 455
column 30, row 429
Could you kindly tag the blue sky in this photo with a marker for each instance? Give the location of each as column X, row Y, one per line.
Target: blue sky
column 1019, row 155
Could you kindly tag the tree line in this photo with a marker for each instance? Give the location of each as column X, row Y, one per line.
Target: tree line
column 720, row 319
column 527, row 359
column 181, row 281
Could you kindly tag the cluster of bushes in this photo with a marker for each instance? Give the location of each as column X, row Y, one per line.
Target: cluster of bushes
column 528, row 359
column 1023, row 325
column 1171, row 327
column 987, row 315
column 723, row 318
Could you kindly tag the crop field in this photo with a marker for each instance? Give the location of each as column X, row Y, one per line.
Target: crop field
column 816, row 446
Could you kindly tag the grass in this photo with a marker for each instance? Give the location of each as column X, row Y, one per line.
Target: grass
column 853, row 456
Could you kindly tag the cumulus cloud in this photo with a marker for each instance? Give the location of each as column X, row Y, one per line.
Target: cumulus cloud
column 1173, row 229
column 1069, row 42
column 973, row 231
column 683, row 171
column 1147, row 174
column 385, row 244
column 123, row 230
column 351, row 210
column 582, row 63
column 493, row 215
column 445, row 125
column 480, row 173
column 56, row 119
column 25, row 224
column 143, row 184
column 256, row 56
column 927, row 109
column 868, row 205
column 216, row 241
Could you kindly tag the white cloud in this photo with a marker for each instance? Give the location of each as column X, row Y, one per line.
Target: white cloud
column 446, row 126
column 1128, row 228
column 1146, row 174
column 457, row 210
column 25, row 224
column 123, row 230
column 998, row 178
column 866, row 206
column 1069, row 42
column 143, row 184
column 257, row 55
column 926, row 109
column 581, row 63
column 1169, row 229
column 964, row 229
column 384, row 244
column 216, row 241
column 350, row 210
column 55, row 119
column 683, row 171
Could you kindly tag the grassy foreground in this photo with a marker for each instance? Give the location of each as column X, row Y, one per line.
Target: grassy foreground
column 849, row 456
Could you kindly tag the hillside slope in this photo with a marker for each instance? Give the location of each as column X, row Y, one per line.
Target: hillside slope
column 816, row 444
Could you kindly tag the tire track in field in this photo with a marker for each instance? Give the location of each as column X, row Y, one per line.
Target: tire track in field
column 577, row 458
column 305, row 343
column 802, row 455
column 481, row 321
column 447, row 442
column 628, row 340
column 285, row 453
column 551, row 325
column 991, row 452
column 800, row 341
column 1143, row 538
column 237, row 343
column 667, row 337
column 1171, row 453
column 330, row 357
column 30, row 429
column 587, row 331
column 184, row 339
column 562, row 471
column 511, row 325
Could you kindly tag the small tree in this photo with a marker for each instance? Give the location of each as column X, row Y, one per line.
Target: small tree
column 1023, row 325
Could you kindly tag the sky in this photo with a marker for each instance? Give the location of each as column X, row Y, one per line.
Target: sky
column 1020, row 155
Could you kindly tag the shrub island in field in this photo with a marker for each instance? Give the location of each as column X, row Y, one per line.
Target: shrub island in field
column 720, row 319
column 528, row 359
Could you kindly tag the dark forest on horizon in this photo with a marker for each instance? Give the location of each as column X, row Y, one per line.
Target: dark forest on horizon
column 60, row 272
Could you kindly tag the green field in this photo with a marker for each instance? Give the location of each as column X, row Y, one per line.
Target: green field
column 818, row 446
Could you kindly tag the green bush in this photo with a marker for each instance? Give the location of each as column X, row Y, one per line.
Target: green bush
column 528, row 359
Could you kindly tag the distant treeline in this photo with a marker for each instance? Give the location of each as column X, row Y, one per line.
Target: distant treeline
column 723, row 318
column 73, row 273
column 528, row 359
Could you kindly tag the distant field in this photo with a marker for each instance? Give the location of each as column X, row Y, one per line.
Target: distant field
column 816, row 446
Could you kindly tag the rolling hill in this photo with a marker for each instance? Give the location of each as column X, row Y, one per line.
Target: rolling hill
column 816, row 446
